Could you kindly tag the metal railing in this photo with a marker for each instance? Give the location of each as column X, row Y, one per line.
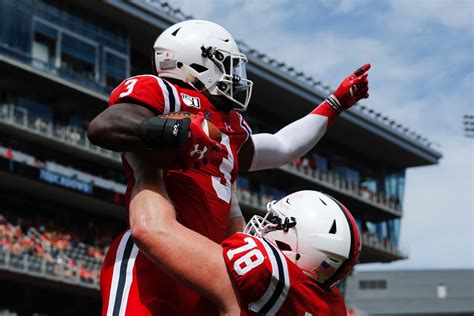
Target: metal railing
column 372, row 241
column 40, row 267
column 337, row 183
column 22, row 119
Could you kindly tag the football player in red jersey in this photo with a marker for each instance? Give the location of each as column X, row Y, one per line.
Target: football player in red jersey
column 285, row 263
column 200, row 70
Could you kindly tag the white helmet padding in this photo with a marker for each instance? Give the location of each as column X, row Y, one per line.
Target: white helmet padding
column 206, row 56
column 315, row 231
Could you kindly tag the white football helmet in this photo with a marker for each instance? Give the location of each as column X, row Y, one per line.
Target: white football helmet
column 315, row 231
column 206, row 56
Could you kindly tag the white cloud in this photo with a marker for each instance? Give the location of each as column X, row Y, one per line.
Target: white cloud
column 409, row 14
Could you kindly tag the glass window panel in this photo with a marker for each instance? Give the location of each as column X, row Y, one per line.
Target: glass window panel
column 321, row 163
column 15, row 26
column 78, row 49
column 46, row 30
column 115, row 69
column 243, row 183
column 78, row 58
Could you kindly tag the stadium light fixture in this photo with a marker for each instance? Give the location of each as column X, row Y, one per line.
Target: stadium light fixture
column 469, row 125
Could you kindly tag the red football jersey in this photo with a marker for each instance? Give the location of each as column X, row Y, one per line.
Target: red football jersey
column 269, row 283
column 200, row 196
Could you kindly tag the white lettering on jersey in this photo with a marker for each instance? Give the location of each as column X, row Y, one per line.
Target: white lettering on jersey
column 224, row 191
column 130, row 84
column 250, row 260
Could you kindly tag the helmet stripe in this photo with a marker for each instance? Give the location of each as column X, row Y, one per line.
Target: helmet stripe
column 345, row 267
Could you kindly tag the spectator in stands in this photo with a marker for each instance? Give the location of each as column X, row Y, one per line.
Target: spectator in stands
column 9, row 153
column 54, row 245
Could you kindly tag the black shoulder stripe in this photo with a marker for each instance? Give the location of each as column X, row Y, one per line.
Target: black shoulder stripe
column 171, row 96
column 281, row 280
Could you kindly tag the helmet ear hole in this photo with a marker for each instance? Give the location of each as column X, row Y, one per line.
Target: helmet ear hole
column 283, row 246
column 333, row 229
column 176, row 31
column 198, row 68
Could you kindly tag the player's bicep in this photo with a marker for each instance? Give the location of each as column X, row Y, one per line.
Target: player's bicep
column 116, row 128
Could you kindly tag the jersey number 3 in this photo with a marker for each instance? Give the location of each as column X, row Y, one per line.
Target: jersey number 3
column 224, row 191
column 252, row 259
column 130, row 84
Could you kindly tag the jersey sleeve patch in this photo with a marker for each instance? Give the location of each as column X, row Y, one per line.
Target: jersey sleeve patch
column 260, row 272
column 149, row 91
column 245, row 126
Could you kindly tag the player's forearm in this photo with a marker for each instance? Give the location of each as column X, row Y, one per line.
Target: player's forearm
column 182, row 253
column 288, row 144
column 185, row 255
column 236, row 219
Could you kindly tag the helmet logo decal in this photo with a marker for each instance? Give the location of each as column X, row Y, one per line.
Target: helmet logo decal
column 324, row 271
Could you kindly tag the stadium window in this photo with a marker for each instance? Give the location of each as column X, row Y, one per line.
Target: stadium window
column 442, row 291
column 373, row 284
column 321, row 163
column 78, row 57
column 44, row 45
column 115, row 69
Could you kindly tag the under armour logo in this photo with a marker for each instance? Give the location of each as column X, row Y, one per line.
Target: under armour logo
column 198, row 151
column 228, row 127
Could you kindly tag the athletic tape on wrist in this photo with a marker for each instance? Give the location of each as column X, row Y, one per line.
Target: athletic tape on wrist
column 334, row 103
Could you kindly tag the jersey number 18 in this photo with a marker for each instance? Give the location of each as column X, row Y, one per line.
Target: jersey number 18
column 250, row 260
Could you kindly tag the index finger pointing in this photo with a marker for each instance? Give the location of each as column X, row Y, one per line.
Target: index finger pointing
column 361, row 70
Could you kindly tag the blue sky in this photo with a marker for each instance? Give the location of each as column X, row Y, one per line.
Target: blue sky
column 422, row 76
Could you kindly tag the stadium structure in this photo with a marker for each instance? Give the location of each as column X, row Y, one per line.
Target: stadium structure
column 62, row 197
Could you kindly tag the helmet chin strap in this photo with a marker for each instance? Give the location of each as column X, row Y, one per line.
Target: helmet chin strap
column 221, row 103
